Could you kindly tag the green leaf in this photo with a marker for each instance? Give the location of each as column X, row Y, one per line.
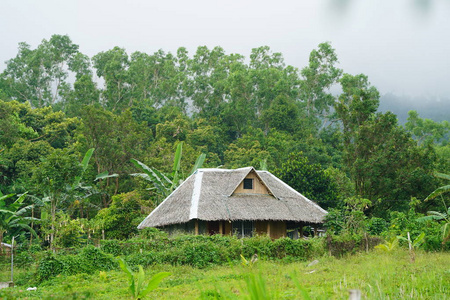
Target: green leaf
column 160, row 181
column 198, row 163
column 154, row 283
column 439, row 191
column 104, row 175
column 442, row 175
column 419, row 240
column 140, row 280
column 87, row 158
column 130, row 275
column 244, row 261
column 84, row 165
column 176, row 165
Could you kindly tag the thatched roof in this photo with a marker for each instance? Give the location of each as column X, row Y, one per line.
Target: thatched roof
column 208, row 195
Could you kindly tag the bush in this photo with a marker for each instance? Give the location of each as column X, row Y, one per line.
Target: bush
column 340, row 245
column 120, row 220
column 96, row 259
column 23, row 259
column 48, row 267
column 89, row 260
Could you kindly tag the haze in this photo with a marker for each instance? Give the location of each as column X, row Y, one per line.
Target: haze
column 403, row 45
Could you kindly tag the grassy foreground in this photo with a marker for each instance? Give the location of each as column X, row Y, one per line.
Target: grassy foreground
column 378, row 275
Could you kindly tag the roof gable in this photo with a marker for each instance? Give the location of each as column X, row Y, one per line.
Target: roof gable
column 250, row 172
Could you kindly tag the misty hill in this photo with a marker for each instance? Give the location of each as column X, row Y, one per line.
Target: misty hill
column 437, row 109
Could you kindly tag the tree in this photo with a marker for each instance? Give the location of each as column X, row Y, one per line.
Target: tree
column 112, row 66
column 427, row 131
column 53, row 177
column 309, row 179
column 85, row 91
column 317, row 79
column 207, row 73
column 438, row 216
column 39, row 76
column 112, row 136
column 381, row 158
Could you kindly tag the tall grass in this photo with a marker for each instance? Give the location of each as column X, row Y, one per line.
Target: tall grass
column 379, row 275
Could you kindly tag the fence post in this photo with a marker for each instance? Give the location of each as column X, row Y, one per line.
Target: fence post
column 12, row 260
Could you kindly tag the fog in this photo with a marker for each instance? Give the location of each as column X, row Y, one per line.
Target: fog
column 403, row 45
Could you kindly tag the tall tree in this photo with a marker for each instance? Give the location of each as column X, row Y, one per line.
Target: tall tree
column 317, row 79
column 112, row 66
column 381, row 158
column 116, row 139
column 39, row 76
column 427, row 131
column 309, row 179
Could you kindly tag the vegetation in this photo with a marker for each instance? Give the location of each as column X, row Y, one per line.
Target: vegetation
column 82, row 163
column 377, row 274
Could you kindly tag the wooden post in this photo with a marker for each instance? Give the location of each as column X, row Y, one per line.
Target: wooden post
column 196, row 227
column 268, row 228
column 412, row 254
column 301, row 231
column 221, row 227
column 12, row 260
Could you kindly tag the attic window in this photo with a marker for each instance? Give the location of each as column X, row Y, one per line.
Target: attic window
column 248, row 184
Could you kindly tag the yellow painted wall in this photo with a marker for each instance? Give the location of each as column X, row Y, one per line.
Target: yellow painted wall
column 258, row 187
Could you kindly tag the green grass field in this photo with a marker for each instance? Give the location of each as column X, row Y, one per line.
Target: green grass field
column 379, row 275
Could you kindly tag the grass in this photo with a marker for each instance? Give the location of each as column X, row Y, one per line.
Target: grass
column 379, row 275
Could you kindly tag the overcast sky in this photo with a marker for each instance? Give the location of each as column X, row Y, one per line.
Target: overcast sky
column 402, row 45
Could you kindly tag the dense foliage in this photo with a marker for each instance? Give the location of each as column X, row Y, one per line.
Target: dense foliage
column 238, row 111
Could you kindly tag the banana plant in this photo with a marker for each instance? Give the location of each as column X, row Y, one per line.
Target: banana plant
column 440, row 190
column 440, row 216
column 136, row 282
column 388, row 246
column 164, row 185
column 12, row 215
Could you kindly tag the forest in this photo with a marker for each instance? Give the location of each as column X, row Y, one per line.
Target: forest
column 71, row 125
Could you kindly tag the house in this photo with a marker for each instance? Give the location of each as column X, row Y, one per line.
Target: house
column 241, row 201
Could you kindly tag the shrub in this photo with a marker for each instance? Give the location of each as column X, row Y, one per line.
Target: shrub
column 96, row 259
column 120, row 220
column 89, row 260
column 48, row 267
column 339, row 245
column 376, row 226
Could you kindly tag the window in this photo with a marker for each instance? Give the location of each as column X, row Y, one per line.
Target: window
column 243, row 228
column 248, row 184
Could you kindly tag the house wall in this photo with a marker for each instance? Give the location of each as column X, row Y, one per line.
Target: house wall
column 258, row 187
column 276, row 229
column 261, row 227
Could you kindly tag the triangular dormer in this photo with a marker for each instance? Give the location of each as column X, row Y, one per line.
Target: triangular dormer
column 252, row 184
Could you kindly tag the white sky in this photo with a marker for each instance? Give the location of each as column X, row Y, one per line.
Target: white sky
column 402, row 45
